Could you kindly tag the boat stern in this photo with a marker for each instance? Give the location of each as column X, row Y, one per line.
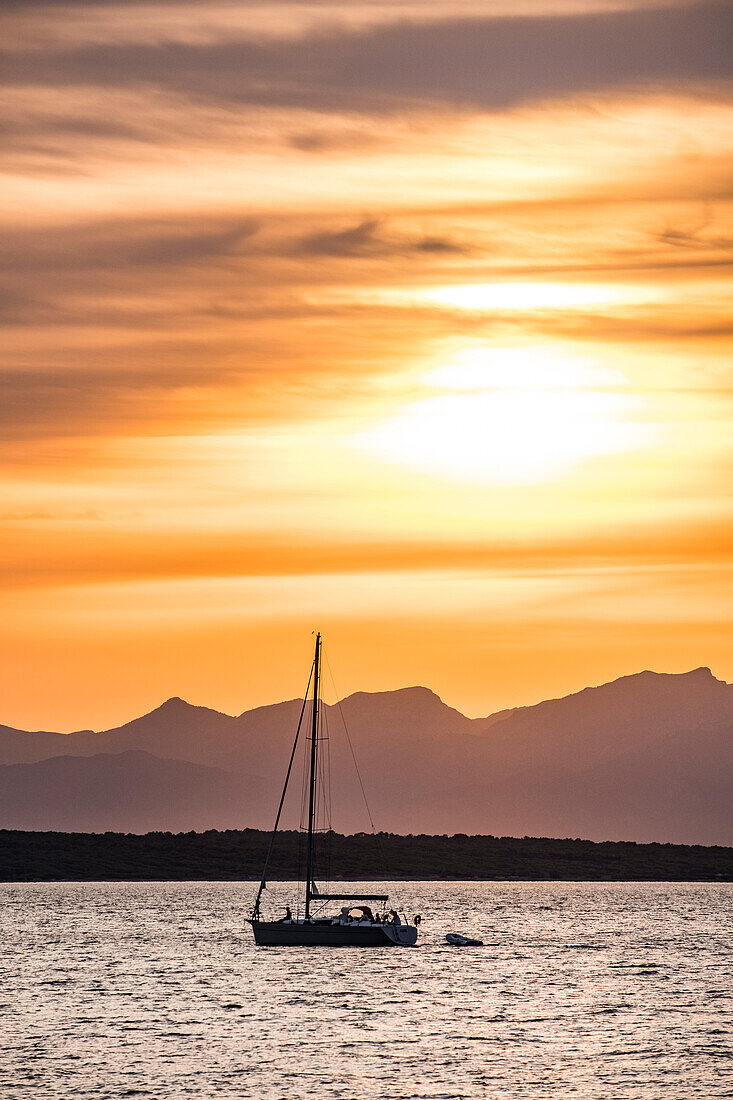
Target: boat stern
column 404, row 935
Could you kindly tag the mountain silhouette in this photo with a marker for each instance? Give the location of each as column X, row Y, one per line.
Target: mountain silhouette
column 647, row 757
column 131, row 791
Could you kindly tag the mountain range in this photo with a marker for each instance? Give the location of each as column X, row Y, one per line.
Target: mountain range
column 647, row 757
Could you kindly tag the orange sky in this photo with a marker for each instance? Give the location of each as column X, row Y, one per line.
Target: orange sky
column 408, row 322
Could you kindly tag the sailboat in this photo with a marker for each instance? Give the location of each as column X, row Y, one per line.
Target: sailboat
column 356, row 925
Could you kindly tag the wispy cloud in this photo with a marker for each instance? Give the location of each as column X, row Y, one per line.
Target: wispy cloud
column 368, row 238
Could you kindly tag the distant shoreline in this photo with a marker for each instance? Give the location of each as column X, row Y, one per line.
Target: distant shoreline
column 238, row 855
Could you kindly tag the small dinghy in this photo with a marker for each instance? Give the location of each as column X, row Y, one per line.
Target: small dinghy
column 457, row 940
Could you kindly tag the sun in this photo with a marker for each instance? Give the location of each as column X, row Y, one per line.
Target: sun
column 510, row 416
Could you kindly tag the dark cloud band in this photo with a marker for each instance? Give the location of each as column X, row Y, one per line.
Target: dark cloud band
column 479, row 63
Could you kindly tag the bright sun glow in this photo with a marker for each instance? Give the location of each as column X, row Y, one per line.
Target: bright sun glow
column 521, row 295
column 519, row 368
column 529, row 417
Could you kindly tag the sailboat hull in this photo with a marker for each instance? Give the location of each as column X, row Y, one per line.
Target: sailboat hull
column 332, row 934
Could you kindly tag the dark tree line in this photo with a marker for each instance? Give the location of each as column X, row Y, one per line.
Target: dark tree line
column 240, row 854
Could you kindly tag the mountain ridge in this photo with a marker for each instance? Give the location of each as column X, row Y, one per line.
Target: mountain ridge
column 590, row 763
column 174, row 701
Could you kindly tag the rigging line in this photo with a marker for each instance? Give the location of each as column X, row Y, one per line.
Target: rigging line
column 329, row 835
column 302, row 820
column 329, row 799
column 256, row 910
column 318, row 862
column 301, row 817
column 326, row 795
column 351, row 747
column 303, row 785
column 381, row 851
column 326, row 770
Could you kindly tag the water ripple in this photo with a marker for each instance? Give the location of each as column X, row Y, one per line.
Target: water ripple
column 600, row 991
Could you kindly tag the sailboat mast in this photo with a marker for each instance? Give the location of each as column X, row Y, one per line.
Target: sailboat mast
column 313, row 777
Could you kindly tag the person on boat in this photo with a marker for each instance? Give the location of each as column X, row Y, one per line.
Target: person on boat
column 288, row 913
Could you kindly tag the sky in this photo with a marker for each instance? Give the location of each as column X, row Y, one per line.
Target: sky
column 404, row 321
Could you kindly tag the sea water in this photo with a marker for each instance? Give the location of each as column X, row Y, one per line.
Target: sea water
column 584, row 990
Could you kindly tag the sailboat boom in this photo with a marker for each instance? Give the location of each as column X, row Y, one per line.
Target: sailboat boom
column 352, row 897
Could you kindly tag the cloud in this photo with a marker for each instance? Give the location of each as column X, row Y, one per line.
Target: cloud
column 368, row 239
column 360, row 240
column 41, row 402
column 172, row 274
column 694, row 237
column 130, row 554
column 640, row 329
column 19, row 308
column 476, row 63
column 117, row 244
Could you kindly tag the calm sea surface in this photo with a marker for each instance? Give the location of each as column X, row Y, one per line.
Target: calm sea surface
column 599, row 990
